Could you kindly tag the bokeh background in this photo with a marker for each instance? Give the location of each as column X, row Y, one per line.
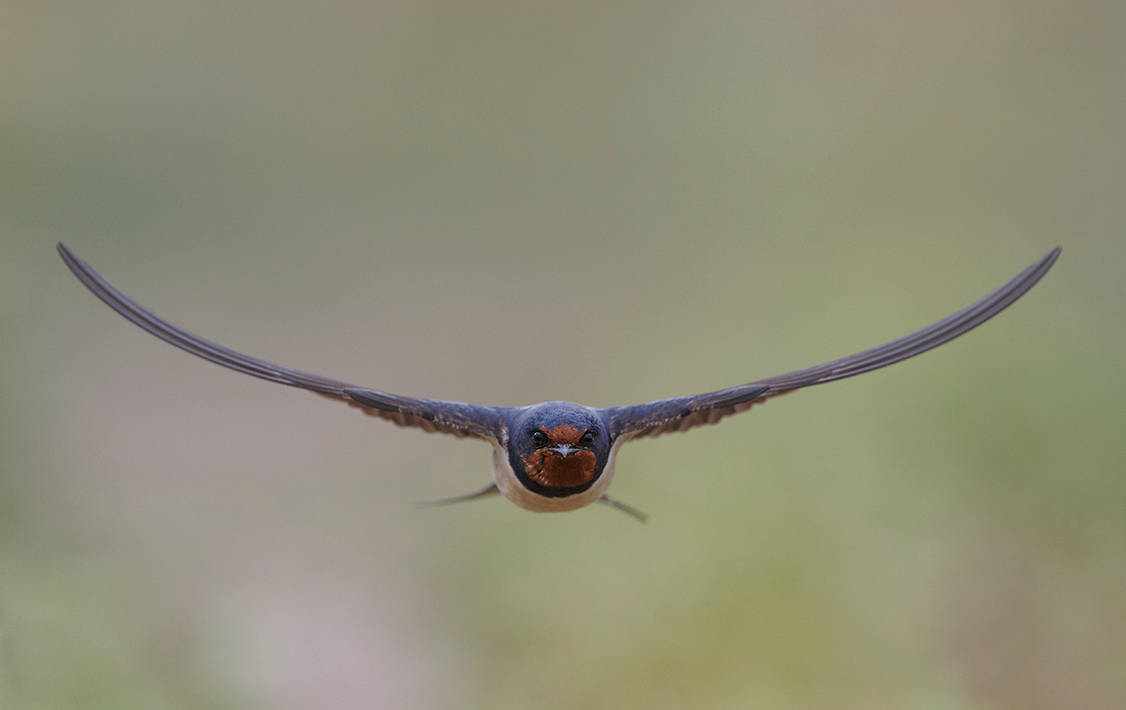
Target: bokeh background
column 507, row 202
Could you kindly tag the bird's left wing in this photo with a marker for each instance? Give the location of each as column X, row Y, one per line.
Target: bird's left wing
column 454, row 418
column 681, row 413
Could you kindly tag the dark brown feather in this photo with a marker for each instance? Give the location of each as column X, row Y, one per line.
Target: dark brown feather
column 681, row 413
column 429, row 415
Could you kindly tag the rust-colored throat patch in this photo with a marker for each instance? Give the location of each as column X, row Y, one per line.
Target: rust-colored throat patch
column 551, row 469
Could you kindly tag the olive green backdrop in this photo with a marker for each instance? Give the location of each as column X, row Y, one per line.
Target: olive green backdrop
column 600, row 202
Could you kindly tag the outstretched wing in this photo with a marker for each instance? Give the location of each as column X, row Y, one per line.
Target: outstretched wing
column 430, row 415
column 681, row 413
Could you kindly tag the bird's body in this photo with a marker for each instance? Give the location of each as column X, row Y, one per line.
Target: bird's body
column 559, row 456
column 508, row 484
column 565, row 461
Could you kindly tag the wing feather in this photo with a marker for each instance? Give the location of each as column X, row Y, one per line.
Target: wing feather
column 681, row 413
column 454, row 418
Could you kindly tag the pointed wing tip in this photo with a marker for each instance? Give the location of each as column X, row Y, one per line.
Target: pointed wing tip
column 65, row 252
column 78, row 267
column 1047, row 261
column 1037, row 271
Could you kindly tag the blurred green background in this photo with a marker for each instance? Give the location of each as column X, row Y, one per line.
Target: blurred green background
column 605, row 203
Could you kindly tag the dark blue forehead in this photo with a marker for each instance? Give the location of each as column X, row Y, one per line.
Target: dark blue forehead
column 552, row 414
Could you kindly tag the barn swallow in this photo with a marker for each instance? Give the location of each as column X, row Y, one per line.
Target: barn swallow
column 559, row 456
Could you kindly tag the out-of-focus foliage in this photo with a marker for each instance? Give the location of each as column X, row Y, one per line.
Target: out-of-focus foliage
column 504, row 202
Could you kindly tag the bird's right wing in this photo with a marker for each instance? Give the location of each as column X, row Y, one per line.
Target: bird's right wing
column 454, row 418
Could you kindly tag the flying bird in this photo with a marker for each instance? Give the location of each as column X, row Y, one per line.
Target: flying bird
column 559, row 456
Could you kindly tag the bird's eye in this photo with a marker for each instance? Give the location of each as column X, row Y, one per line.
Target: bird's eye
column 539, row 438
column 587, row 438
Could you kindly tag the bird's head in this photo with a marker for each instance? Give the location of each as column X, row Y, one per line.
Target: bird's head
column 558, row 449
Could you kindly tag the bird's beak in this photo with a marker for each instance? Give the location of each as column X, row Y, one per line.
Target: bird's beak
column 563, row 449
